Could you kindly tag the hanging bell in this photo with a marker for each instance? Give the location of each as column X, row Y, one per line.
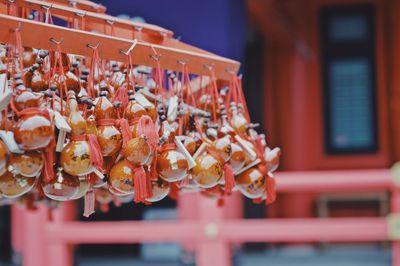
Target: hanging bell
column 34, row 131
column 61, row 188
column 121, row 178
column 109, row 137
column 75, row 157
column 172, row 166
column 137, row 151
column 160, row 189
column 251, row 183
column 207, row 172
column 14, row 185
column 29, row 164
column 238, row 157
column 3, row 157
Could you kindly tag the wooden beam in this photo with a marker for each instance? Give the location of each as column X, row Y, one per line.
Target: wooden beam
column 81, row 4
column 110, row 48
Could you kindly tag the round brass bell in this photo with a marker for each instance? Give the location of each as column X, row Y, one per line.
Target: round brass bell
column 62, row 188
column 29, row 164
column 172, row 166
column 33, row 132
column 207, row 172
column 121, row 178
column 251, row 183
column 75, row 158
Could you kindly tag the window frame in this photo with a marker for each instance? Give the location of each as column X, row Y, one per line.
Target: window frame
column 331, row 51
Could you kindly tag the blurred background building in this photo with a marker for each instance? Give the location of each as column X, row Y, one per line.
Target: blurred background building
column 321, row 77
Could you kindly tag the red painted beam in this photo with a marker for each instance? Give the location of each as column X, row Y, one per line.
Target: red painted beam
column 271, row 230
column 337, row 180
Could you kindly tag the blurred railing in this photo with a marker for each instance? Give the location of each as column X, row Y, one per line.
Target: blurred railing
column 208, row 230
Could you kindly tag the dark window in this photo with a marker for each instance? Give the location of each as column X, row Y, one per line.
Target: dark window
column 348, row 67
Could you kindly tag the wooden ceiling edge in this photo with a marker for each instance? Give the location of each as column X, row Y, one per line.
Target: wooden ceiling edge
column 76, row 41
column 81, row 4
column 67, row 12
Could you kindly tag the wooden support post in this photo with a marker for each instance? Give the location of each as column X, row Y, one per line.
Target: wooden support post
column 34, row 223
column 213, row 250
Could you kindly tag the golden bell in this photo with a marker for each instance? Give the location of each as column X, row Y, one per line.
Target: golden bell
column 75, row 158
column 121, row 178
column 172, row 166
column 110, row 140
column 137, row 151
column 160, row 189
column 251, row 183
column 3, row 157
column 33, row 132
column 14, row 185
column 29, row 164
column 207, row 172
column 62, row 188
column 223, row 147
column 238, row 157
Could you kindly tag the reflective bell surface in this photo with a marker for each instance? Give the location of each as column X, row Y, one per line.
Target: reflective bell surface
column 121, row 177
column 62, row 188
column 3, row 157
column 207, row 172
column 33, row 132
column 238, row 157
column 29, row 164
column 172, row 166
column 36, row 81
column 83, row 188
column 251, row 183
column 75, row 158
column 137, row 151
column 110, row 140
column 26, row 99
column 13, row 186
column 223, row 147
column 160, row 190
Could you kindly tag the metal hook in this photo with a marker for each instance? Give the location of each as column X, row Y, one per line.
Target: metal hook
column 109, row 21
column 156, row 56
column 230, row 71
column 53, row 40
column 47, row 7
column 182, row 61
column 130, row 48
column 138, row 28
column 94, row 47
column 80, row 14
column 209, row 67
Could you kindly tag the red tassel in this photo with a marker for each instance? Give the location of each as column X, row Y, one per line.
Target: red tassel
column 93, row 178
column 104, row 208
column 140, row 184
column 257, row 200
column 89, row 203
column 229, row 179
column 270, row 189
column 174, row 191
column 125, row 131
column 48, row 171
column 149, row 188
column 153, row 169
column 146, row 127
column 122, row 96
column 95, row 151
column 221, row 202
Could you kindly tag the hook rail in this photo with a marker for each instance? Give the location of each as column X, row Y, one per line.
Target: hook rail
column 75, row 42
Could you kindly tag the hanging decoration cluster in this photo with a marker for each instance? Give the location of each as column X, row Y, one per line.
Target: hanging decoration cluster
column 83, row 127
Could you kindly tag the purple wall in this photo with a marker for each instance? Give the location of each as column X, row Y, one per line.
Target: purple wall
column 215, row 25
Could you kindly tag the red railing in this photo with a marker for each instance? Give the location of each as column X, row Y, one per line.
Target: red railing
column 208, row 230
